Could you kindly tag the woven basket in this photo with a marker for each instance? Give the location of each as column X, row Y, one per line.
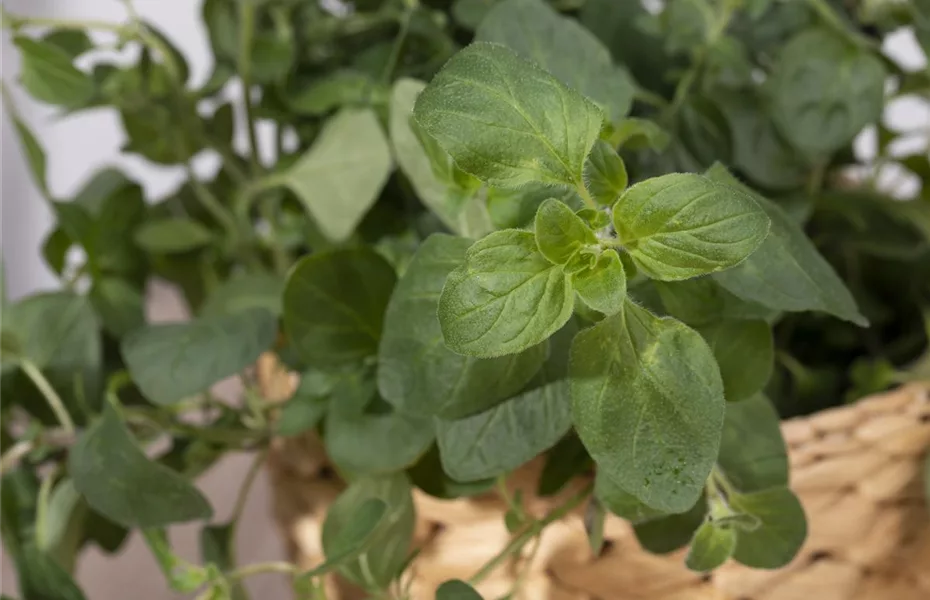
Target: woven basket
column 857, row 470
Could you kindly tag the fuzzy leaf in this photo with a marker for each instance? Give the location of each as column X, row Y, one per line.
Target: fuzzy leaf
column 603, row 286
column 392, row 441
column 783, row 527
column 752, row 452
column 560, row 233
column 711, row 547
column 745, row 353
column 605, row 173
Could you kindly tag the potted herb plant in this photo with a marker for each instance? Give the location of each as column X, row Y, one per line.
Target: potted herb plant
column 579, row 251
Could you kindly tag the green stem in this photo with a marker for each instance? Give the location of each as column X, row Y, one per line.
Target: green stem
column 517, row 543
column 398, row 45
column 250, row 477
column 247, row 195
column 246, row 35
column 267, row 567
column 15, row 453
column 41, row 527
column 585, row 195
column 832, row 20
column 212, row 204
column 16, row 21
column 51, row 396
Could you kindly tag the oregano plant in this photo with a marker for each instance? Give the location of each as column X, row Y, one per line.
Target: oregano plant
column 621, row 242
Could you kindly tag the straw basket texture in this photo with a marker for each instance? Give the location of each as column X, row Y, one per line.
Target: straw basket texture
column 857, row 470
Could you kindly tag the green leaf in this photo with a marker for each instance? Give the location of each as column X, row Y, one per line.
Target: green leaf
column 49, row 76
column 119, row 305
column 683, row 225
column 745, row 353
column 60, row 535
column 243, row 292
column 352, row 538
column 562, row 46
column 603, row 286
column 304, row 410
column 510, row 434
column 566, row 460
column 176, row 235
column 119, row 482
column 824, row 90
column 703, row 301
column 786, row 272
column 387, row 545
column 417, row 374
column 648, row 405
column 605, row 173
column 667, row 534
column 34, row 153
column 456, row 589
column 392, row 441
column 41, row 578
column 337, row 89
column 779, row 536
column 516, row 209
column 639, row 134
column 622, row 503
column 429, row 476
column 506, row 297
column 181, row 575
column 439, row 184
column 74, row 42
column 560, row 233
column 354, row 388
column 339, row 178
column 493, row 112
column 594, row 518
column 711, row 546
column 170, row 362
column 334, row 304
column 752, row 452
column 216, row 548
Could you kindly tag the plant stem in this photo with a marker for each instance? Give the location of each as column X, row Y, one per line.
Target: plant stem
column 14, row 454
column 398, row 45
column 250, row 477
column 246, row 35
column 585, row 194
column 45, row 492
column 51, row 396
column 19, row 21
column 212, row 204
column 247, row 195
column 268, row 567
column 833, row 21
column 517, row 543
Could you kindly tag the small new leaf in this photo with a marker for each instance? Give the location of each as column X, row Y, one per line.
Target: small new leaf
column 119, row 482
column 780, row 534
column 683, row 225
column 603, row 286
column 605, row 173
column 506, row 297
column 560, row 233
column 168, row 236
column 49, row 76
column 647, row 402
column 492, row 111
column 711, row 546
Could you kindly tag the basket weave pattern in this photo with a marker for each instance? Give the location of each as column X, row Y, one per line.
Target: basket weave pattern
column 856, row 469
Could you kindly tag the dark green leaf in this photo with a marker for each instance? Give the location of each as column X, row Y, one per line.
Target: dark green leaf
column 73, row 41
column 429, row 476
column 560, row 233
column 563, row 47
column 304, row 410
column 41, row 578
column 638, row 134
column 334, row 305
column 683, row 225
column 603, row 286
column 119, row 305
column 491, row 110
column 711, row 546
column 566, row 460
column 779, row 536
column 353, row 537
column 745, row 353
column 166, row 236
column 339, row 178
column 392, row 441
column 787, row 272
column 417, row 374
column 35, row 154
column 667, row 534
column 506, row 297
column 605, row 173
column 118, row 481
column 501, row 439
column 338, row 89
column 752, row 452
column 824, row 90
column 702, row 301
column 648, row 404
column 243, row 292
column 456, row 589
column 172, row 361
column 622, row 503
column 48, row 75
column 388, row 544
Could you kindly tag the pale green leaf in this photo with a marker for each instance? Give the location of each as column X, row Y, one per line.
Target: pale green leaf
column 174, row 235
column 753, row 456
column 119, row 482
column 339, row 178
column 824, row 90
column 603, row 286
column 745, row 353
column 417, row 374
column 782, row 530
column 786, row 272
column 506, row 298
column 605, row 173
column 648, row 404
column 170, row 362
column 385, row 549
column 562, row 46
column 493, row 112
column 682, row 225
column 49, row 76
column 334, row 304
column 711, row 546
column 560, row 233
column 372, row 443
column 503, row 438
